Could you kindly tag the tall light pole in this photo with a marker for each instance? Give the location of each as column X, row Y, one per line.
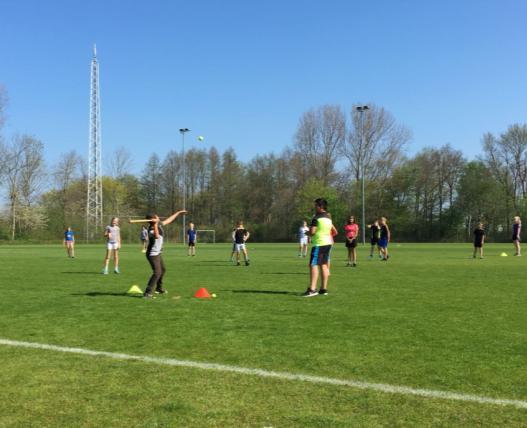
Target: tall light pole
column 183, row 131
column 361, row 110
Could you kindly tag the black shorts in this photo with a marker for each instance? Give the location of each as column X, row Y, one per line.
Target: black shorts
column 374, row 241
column 515, row 238
column 351, row 243
column 191, row 243
column 320, row 255
column 478, row 244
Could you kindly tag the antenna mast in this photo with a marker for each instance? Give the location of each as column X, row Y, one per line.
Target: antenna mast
column 94, row 197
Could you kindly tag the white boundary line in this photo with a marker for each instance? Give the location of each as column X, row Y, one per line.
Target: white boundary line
column 379, row 387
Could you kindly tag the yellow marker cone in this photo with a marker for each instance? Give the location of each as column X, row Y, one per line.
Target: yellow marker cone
column 134, row 289
column 503, row 254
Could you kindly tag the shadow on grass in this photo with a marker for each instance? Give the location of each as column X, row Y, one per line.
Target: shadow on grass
column 285, row 273
column 107, row 293
column 83, row 273
column 291, row 293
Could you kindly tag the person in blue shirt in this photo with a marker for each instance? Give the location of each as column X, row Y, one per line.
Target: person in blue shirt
column 69, row 242
column 192, row 235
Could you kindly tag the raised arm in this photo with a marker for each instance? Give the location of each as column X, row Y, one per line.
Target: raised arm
column 170, row 219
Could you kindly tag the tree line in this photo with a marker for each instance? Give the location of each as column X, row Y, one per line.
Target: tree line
column 435, row 195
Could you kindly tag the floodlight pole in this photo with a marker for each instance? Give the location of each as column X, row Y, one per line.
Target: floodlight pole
column 183, row 131
column 361, row 110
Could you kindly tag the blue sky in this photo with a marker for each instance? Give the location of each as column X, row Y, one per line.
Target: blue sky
column 241, row 72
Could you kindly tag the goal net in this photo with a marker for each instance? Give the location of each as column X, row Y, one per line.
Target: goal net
column 206, row 236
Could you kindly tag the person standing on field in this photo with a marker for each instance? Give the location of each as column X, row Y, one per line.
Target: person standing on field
column 303, row 239
column 375, row 232
column 240, row 236
column 516, row 231
column 352, row 232
column 154, row 250
column 479, row 239
column 322, row 232
column 192, row 236
column 384, row 238
column 144, row 238
column 69, row 242
column 113, row 244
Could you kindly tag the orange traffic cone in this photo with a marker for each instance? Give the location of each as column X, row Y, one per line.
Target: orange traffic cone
column 202, row 293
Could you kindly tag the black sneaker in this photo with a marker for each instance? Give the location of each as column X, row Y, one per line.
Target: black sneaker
column 238, row 264
column 246, row 262
column 354, row 265
column 310, row 293
column 323, row 292
column 161, row 291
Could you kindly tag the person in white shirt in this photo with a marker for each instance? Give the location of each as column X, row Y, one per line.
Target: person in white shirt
column 113, row 244
column 303, row 239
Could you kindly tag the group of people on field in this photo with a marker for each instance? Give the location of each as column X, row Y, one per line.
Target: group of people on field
column 479, row 237
column 379, row 239
column 320, row 232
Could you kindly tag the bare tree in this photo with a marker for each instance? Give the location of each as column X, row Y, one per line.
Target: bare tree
column 32, row 171
column 120, row 163
column 12, row 165
column 381, row 149
column 65, row 173
column 319, row 135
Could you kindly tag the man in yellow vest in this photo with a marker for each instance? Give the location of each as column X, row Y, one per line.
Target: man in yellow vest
column 321, row 232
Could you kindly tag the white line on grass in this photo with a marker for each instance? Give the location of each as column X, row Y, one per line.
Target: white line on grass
column 381, row 387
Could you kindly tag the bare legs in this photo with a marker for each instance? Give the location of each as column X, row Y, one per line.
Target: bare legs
column 517, row 247
column 314, row 277
column 115, row 261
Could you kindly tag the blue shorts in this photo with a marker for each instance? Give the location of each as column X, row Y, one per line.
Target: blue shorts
column 320, row 255
column 383, row 243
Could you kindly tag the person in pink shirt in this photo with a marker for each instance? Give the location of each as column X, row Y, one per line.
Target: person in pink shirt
column 351, row 230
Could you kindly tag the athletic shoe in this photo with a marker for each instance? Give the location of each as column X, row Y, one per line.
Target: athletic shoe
column 148, row 296
column 354, row 265
column 161, row 291
column 310, row 293
column 238, row 264
column 105, row 272
column 323, row 292
column 116, row 270
column 246, row 262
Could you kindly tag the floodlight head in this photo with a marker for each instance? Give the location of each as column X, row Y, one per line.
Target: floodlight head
column 183, row 130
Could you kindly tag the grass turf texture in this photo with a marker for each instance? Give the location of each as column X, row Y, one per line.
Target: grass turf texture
column 432, row 317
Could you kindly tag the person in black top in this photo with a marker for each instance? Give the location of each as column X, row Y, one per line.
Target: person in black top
column 516, row 231
column 154, row 251
column 239, row 236
column 479, row 239
column 375, row 232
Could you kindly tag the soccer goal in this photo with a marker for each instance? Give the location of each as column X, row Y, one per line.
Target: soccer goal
column 206, row 236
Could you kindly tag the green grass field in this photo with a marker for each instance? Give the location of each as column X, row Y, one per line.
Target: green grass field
column 431, row 318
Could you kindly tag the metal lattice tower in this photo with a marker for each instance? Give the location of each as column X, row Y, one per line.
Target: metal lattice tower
column 94, row 199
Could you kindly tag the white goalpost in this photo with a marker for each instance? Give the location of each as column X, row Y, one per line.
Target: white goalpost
column 207, row 232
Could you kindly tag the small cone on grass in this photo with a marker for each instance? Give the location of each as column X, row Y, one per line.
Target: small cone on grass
column 134, row 290
column 503, row 255
column 202, row 293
